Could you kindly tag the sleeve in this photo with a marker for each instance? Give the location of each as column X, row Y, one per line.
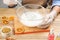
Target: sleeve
column 2, row 5
column 56, row 3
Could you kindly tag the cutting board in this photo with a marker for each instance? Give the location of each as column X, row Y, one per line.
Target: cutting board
column 18, row 25
column 27, row 30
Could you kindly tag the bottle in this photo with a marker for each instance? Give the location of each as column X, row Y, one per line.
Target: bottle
column 51, row 34
column 58, row 36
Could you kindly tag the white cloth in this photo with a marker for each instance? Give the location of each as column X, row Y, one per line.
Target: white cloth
column 7, row 2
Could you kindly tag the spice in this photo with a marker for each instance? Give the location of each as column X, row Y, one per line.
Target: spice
column 6, row 30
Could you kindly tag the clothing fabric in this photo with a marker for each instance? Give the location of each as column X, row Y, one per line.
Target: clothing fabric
column 56, row 3
column 2, row 5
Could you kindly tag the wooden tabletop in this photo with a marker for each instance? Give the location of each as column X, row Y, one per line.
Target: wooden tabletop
column 33, row 36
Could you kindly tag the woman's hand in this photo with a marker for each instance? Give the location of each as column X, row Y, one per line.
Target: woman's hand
column 48, row 19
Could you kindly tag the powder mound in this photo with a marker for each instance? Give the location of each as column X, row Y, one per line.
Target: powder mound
column 31, row 18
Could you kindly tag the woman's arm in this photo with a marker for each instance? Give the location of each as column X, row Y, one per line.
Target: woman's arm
column 51, row 16
column 57, row 8
column 56, row 5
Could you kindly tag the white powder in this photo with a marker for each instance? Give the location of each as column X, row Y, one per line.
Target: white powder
column 31, row 19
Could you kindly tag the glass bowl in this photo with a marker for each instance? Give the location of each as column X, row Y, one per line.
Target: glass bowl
column 31, row 15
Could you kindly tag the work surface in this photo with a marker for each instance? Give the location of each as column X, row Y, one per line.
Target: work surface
column 33, row 36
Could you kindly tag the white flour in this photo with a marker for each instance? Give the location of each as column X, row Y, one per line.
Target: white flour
column 31, row 18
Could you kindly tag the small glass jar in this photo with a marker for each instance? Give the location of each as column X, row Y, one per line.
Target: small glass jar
column 6, row 31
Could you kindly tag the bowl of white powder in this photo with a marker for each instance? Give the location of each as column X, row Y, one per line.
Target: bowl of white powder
column 31, row 15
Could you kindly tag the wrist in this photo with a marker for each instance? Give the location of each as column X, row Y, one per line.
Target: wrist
column 53, row 13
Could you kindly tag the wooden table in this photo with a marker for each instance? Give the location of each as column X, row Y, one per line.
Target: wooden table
column 36, row 36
